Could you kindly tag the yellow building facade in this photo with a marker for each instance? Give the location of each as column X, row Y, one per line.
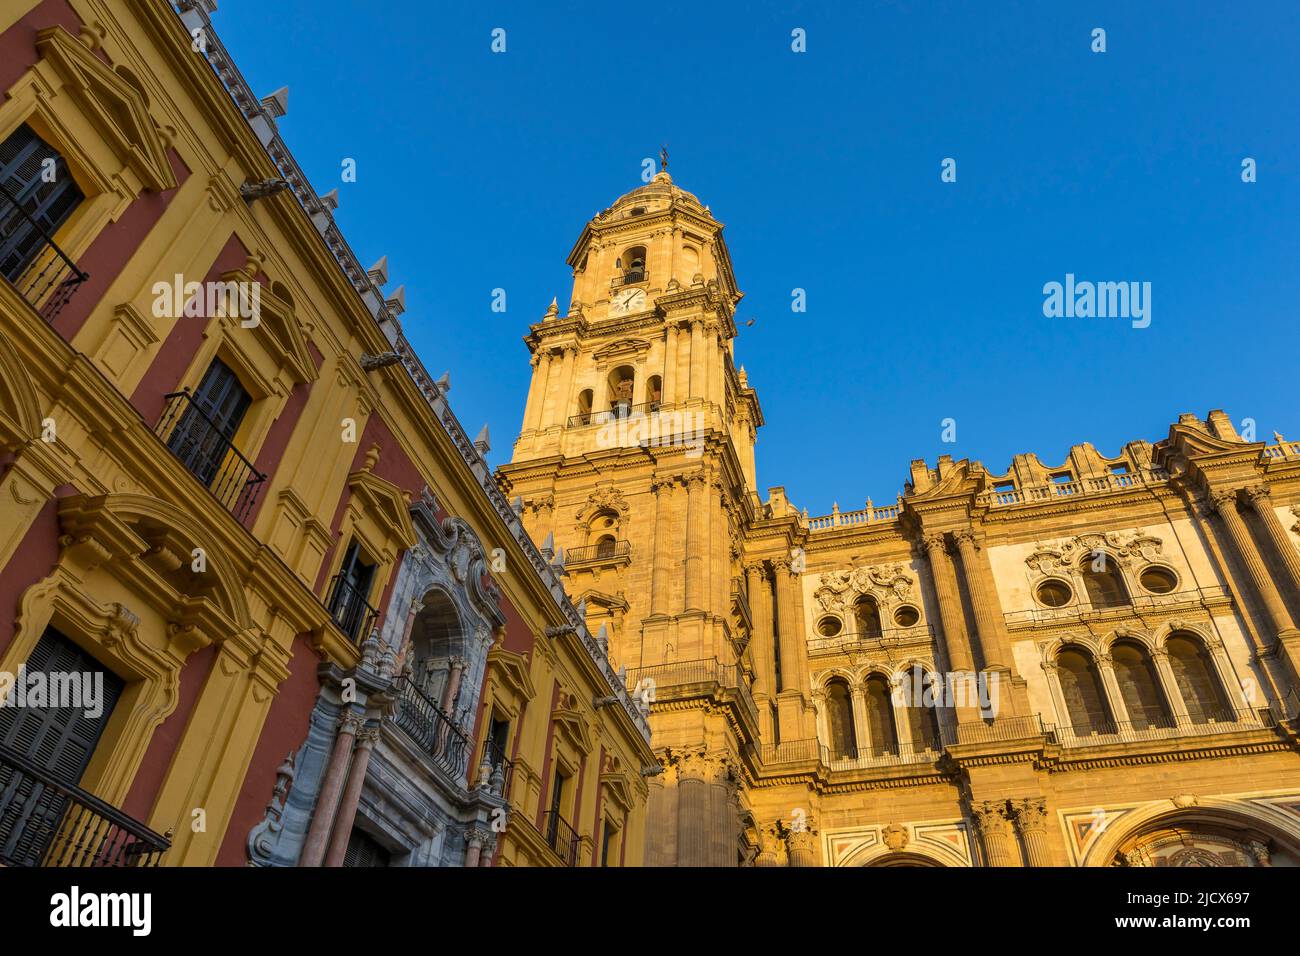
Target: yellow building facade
column 1092, row 664
column 232, row 493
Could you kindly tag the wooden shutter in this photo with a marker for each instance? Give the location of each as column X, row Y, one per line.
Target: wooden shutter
column 61, row 740
column 22, row 163
column 206, row 431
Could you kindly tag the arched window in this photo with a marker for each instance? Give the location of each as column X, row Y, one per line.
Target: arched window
column 603, row 524
column 437, row 640
column 1102, row 581
column 1194, row 674
column 621, row 383
column 632, row 264
column 605, row 546
column 654, row 391
column 868, row 615
column 1085, row 701
column 922, row 700
column 1138, row 685
column 584, row 406
column 880, row 717
column 839, row 718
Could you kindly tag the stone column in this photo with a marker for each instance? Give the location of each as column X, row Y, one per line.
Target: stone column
column 861, row 726
column 1169, row 686
column 693, row 812
column 661, row 587
column 322, row 820
column 1224, row 503
column 1261, row 500
column 1031, row 822
column 452, row 690
column 991, row 822
column 951, row 617
column 697, row 547
column 347, row 811
column 762, row 642
column 1114, row 695
column 670, row 366
column 984, row 601
column 698, row 383
column 541, row 363
column 799, row 843
column 656, row 822
column 562, row 400
column 725, row 818
column 475, row 838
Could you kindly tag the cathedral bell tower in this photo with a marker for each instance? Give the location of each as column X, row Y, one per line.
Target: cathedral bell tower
column 636, row 462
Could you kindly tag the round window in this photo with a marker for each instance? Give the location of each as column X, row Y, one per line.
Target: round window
column 1054, row 593
column 907, row 616
column 1158, row 580
column 829, row 626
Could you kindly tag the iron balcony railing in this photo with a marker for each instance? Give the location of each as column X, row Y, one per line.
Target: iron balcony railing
column 649, row 682
column 620, row 410
column 562, row 838
column 425, row 723
column 47, row 822
column 208, row 454
column 40, row 271
column 349, row 608
column 998, row 730
column 631, row 277
column 598, row 552
column 1161, row 727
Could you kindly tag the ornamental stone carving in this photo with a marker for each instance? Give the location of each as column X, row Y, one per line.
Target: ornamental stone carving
column 887, row 583
column 1065, row 554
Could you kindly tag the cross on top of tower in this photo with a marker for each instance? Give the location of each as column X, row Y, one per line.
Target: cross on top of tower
column 663, row 157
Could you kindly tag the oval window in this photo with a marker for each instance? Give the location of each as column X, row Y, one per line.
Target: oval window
column 907, row 616
column 829, row 626
column 1054, row 593
column 1159, row 580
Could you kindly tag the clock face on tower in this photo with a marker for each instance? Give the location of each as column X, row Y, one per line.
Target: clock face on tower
column 628, row 300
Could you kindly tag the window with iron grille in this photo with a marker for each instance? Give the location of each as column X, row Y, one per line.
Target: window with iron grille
column 365, row 850
column 35, row 179
column 349, row 604
column 206, row 431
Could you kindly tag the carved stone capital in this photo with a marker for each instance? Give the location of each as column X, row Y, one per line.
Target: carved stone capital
column 1030, row 814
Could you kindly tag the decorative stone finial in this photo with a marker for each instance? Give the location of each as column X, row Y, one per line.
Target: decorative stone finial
column 482, row 443
column 277, row 104
column 378, row 273
column 444, row 383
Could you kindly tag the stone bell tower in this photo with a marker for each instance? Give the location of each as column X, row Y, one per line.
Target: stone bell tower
column 636, row 463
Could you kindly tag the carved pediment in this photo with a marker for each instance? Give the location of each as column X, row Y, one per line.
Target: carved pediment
column 511, row 670
column 385, row 504
column 1064, row 554
column 887, row 583
column 623, row 348
column 569, row 722
column 278, row 331
column 115, row 107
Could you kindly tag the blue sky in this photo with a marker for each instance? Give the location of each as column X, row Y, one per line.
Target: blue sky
column 478, row 170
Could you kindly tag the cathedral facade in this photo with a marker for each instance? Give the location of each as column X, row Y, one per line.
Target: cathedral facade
column 1093, row 664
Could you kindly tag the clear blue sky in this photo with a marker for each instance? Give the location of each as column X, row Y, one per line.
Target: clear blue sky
column 478, row 171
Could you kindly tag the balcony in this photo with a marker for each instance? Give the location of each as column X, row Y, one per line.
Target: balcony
column 623, row 410
column 46, row 822
column 631, row 277
column 562, row 838
column 351, row 612
column 208, row 454
column 29, row 259
column 425, row 723
column 1162, row 727
column 495, row 759
column 842, row 519
column 608, row 552
column 685, row 678
column 1083, row 488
